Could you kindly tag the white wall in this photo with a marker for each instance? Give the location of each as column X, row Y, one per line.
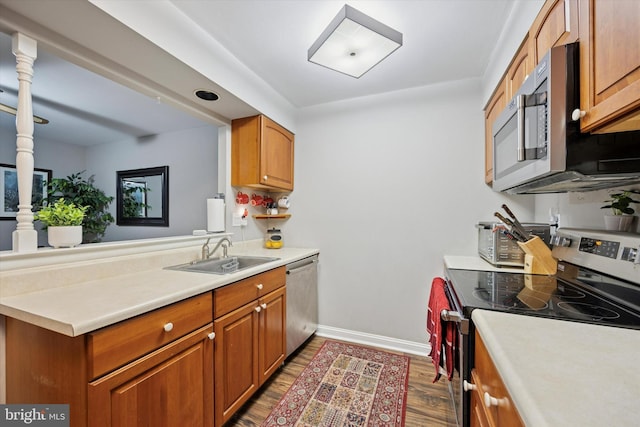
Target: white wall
column 516, row 27
column 581, row 210
column 192, row 157
column 385, row 186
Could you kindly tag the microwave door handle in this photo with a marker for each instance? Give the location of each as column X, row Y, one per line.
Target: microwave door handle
column 521, row 105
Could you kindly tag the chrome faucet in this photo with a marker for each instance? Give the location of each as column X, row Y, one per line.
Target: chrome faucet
column 206, row 253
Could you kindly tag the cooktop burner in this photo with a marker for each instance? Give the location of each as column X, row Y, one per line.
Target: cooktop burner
column 545, row 296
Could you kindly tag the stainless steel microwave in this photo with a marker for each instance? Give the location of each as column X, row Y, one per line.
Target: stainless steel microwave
column 538, row 147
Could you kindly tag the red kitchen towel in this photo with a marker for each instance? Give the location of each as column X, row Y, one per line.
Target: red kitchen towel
column 440, row 331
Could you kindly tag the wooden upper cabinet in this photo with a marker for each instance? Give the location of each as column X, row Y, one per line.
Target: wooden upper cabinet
column 261, row 154
column 495, row 106
column 610, row 65
column 556, row 24
column 521, row 65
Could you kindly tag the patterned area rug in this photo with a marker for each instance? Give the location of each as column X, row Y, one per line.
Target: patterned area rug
column 346, row 385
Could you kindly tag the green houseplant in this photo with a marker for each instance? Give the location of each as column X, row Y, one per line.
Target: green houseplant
column 619, row 203
column 82, row 192
column 63, row 222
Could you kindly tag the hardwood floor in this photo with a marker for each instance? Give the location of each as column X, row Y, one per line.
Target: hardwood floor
column 428, row 404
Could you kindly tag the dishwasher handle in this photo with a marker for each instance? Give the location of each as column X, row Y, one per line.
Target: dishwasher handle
column 302, row 264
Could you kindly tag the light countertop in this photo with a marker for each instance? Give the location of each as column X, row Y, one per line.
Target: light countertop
column 475, row 263
column 104, row 299
column 562, row 373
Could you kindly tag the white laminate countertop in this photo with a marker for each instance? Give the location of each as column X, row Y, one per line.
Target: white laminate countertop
column 562, row 373
column 92, row 304
column 456, row 262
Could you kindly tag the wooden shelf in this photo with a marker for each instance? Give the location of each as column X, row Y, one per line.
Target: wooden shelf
column 279, row 216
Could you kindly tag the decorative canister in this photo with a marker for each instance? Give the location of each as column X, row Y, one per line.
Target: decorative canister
column 273, row 239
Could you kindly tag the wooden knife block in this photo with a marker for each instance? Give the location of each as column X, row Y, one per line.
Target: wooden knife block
column 538, row 258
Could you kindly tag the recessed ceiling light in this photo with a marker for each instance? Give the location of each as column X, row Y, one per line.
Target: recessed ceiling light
column 207, row 95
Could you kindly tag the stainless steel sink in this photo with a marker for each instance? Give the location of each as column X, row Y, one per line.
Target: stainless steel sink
column 227, row 265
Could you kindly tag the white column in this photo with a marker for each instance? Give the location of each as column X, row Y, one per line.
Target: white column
column 25, row 237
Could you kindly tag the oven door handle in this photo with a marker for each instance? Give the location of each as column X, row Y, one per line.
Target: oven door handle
column 454, row 316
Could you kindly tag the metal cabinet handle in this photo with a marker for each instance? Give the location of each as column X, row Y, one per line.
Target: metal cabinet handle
column 263, row 305
column 258, row 309
column 168, row 327
column 259, row 286
column 212, row 335
column 265, row 177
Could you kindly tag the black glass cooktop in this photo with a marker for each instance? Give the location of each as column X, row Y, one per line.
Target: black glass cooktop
column 575, row 294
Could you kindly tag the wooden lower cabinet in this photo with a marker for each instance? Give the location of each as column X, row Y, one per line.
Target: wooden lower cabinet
column 250, row 345
column 171, row 385
column 491, row 404
column 155, row 369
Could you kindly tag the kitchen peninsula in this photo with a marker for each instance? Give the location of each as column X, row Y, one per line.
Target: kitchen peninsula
column 123, row 323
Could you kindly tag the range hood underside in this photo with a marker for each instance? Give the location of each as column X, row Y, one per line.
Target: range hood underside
column 563, row 182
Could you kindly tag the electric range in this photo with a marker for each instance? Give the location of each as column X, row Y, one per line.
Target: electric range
column 598, row 282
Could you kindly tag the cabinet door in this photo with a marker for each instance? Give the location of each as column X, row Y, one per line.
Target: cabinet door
column 479, row 416
column 236, row 360
column 495, row 106
column 520, row 67
column 276, row 155
column 172, row 383
column 556, row 24
column 502, row 411
column 272, row 341
column 609, row 64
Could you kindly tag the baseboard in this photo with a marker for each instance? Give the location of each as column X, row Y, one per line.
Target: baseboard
column 410, row 347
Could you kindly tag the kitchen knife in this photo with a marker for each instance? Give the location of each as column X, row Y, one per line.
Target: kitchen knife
column 516, row 223
column 511, row 228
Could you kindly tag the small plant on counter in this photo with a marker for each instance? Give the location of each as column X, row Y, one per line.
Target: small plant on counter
column 619, row 202
column 61, row 214
column 83, row 192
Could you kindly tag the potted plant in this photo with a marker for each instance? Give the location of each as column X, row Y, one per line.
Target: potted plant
column 63, row 222
column 76, row 189
column 619, row 203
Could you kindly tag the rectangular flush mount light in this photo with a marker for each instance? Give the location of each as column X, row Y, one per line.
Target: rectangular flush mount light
column 353, row 43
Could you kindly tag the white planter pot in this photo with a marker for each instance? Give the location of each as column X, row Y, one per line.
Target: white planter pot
column 618, row 222
column 64, row 236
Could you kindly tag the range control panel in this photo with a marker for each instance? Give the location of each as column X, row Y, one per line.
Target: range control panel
column 613, row 253
column 603, row 248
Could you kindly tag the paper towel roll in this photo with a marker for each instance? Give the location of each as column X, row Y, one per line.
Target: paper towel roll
column 215, row 215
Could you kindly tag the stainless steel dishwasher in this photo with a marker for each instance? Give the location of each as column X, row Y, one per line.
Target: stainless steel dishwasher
column 302, row 301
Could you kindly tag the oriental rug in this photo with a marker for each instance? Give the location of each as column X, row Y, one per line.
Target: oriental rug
column 346, row 385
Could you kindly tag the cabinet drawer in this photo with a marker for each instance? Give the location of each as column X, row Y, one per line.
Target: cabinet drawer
column 237, row 294
column 115, row 345
column 502, row 412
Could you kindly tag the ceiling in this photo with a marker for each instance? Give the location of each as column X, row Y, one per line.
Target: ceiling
column 444, row 40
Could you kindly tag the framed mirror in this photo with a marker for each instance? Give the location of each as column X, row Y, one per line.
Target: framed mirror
column 142, row 197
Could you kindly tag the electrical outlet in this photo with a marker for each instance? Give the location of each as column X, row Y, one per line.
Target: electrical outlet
column 238, row 221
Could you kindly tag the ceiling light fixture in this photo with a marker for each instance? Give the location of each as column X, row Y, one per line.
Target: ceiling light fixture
column 11, row 110
column 353, row 43
column 207, row 95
